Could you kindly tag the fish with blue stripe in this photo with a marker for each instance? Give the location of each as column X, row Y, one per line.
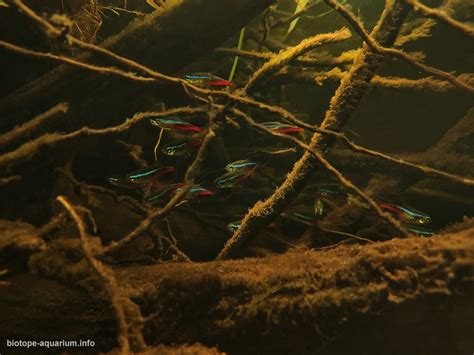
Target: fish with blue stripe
column 419, row 230
column 281, row 127
column 175, row 124
column 238, row 165
column 301, row 217
column 207, row 80
column 168, row 191
column 181, row 147
column 147, row 175
column 331, row 190
column 232, row 178
column 406, row 214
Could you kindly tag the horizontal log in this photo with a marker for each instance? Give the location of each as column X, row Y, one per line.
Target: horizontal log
column 351, row 299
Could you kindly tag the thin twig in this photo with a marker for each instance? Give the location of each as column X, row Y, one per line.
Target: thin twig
column 32, row 147
column 135, row 151
column 362, row 239
column 9, row 179
column 302, row 12
column 53, row 224
column 155, row 150
column 290, row 117
column 108, row 279
column 319, row 78
column 440, row 16
column 189, row 179
column 116, row 10
column 266, row 29
column 396, row 53
column 79, row 64
column 174, row 244
column 336, row 173
column 59, row 33
column 49, row 139
column 290, row 54
column 28, row 127
column 342, row 105
column 306, row 60
column 236, row 98
column 87, row 190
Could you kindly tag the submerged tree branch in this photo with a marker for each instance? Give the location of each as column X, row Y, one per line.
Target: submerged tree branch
column 290, row 54
column 336, row 173
column 351, row 90
column 440, row 16
column 30, row 148
column 343, row 103
column 396, row 53
column 189, row 178
column 336, row 74
column 305, row 60
column 26, row 128
column 109, row 281
column 76, row 63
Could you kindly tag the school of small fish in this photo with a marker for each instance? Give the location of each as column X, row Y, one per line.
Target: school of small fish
column 150, row 180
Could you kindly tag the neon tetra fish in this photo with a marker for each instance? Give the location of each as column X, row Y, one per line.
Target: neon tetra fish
column 181, row 147
column 324, row 196
column 240, row 165
column 331, row 190
column 148, row 174
column 232, row 178
column 282, row 127
column 207, row 79
column 319, row 208
column 166, row 191
column 233, row 226
column 194, row 192
column 407, row 214
column 174, row 124
column 421, row 231
column 301, row 217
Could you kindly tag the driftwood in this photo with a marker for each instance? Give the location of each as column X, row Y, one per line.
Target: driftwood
column 346, row 299
column 379, row 295
column 166, row 40
column 346, row 99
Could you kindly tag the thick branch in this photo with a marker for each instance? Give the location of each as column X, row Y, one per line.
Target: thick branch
column 306, row 60
column 290, row 54
column 346, row 99
column 327, row 297
column 332, row 170
column 319, row 78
